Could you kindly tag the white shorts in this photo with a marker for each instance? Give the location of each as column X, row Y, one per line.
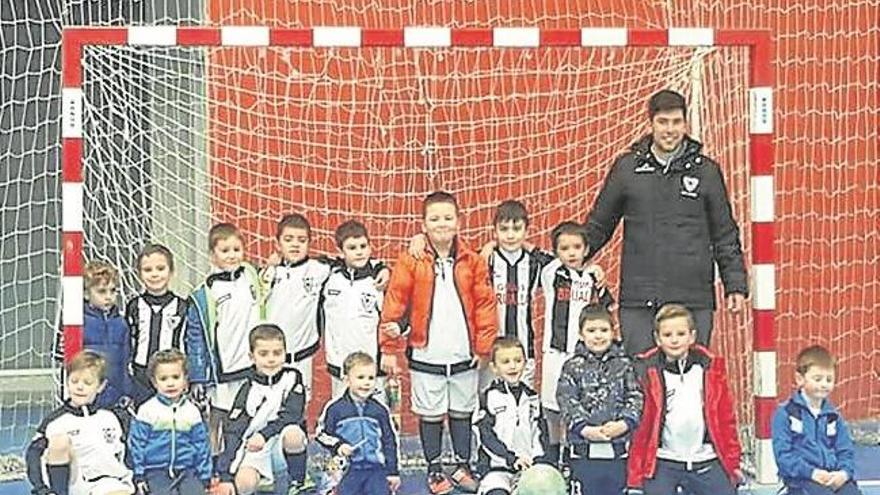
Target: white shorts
column 436, row 395
column 337, row 387
column 222, row 395
column 101, row 486
column 305, row 369
column 265, row 460
column 551, row 368
column 486, row 374
column 497, row 480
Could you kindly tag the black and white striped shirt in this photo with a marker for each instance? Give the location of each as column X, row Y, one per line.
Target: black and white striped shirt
column 157, row 323
column 566, row 292
column 515, row 278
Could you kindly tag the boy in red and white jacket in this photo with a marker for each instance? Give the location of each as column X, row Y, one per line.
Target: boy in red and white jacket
column 688, row 435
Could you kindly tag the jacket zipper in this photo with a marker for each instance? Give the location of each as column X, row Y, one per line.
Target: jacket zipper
column 819, row 442
column 173, row 440
column 457, row 293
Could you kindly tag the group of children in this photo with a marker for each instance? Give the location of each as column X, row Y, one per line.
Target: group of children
column 177, row 392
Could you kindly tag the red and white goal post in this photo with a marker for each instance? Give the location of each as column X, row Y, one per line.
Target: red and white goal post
column 759, row 197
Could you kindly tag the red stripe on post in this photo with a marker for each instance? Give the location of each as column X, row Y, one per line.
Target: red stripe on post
column 761, row 151
column 764, row 333
column 71, row 59
column 737, row 37
column 647, row 37
column 762, row 243
column 765, row 407
column 560, row 37
column 290, row 37
column 761, row 60
column 760, row 43
column 72, row 246
column 471, row 37
column 71, row 163
column 198, row 36
column 382, row 37
column 73, row 341
column 97, row 35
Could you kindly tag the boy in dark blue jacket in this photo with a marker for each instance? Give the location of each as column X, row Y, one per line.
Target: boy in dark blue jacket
column 358, row 427
column 168, row 441
column 106, row 332
column 601, row 403
column 811, row 442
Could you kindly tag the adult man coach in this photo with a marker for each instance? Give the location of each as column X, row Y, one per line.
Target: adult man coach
column 677, row 225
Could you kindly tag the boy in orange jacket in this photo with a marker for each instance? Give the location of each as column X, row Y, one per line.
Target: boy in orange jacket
column 441, row 307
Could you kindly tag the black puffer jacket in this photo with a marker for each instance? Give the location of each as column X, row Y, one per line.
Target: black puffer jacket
column 677, row 225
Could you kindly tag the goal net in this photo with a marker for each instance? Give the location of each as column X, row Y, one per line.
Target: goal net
column 177, row 139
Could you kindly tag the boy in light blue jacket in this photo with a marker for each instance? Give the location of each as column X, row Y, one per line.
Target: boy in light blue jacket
column 168, row 441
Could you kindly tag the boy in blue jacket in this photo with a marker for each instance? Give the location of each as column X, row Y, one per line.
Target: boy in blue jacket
column 106, row 332
column 601, row 402
column 358, row 427
column 168, row 441
column 811, row 442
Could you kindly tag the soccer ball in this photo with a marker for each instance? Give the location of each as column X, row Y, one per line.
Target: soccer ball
column 541, row 479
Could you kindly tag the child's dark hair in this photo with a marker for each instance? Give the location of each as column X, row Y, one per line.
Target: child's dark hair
column 265, row 331
column 670, row 311
column 88, row 360
column 166, row 356
column 815, row 355
column 293, row 221
column 221, row 232
column 665, row 100
column 511, row 211
column 348, row 230
column 438, row 197
column 356, row 359
column 592, row 312
column 567, row 228
column 99, row 272
column 502, row 343
column 151, row 249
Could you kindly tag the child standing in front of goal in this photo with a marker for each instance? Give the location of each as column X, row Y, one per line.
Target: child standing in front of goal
column 222, row 311
column 514, row 271
column 106, row 332
column 601, row 403
column 568, row 288
column 79, row 448
column 350, row 303
column 446, row 301
column 156, row 317
column 687, row 436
